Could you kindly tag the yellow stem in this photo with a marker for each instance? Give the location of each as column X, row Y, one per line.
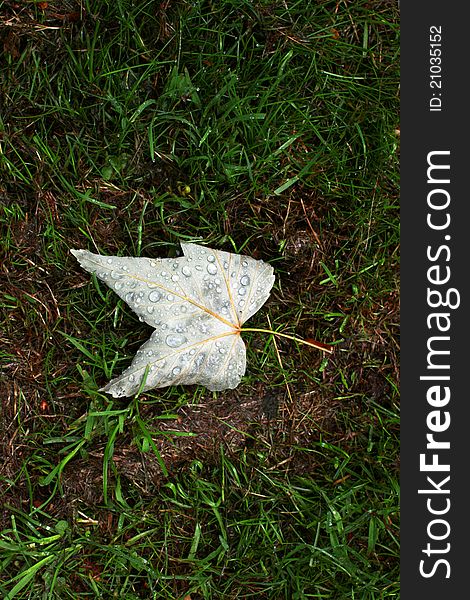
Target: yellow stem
column 318, row 345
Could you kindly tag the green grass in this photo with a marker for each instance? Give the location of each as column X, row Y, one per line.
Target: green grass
column 268, row 128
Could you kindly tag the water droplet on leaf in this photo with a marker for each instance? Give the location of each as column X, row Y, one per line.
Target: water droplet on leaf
column 155, row 296
column 175, row 340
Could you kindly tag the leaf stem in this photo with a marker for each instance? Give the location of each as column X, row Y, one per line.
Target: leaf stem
column 313, row 344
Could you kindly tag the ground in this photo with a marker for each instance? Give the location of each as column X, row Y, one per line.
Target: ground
column 265, row 128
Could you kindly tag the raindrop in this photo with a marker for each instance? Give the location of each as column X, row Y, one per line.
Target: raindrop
column 241, row 303
column 211, row 258
column 245, row 280
column 244, row 263
column 129, row 297
column 174, row 340
column 170, row 297
column 242, row 291
column 110, row 261
column 192, row 352
column 115, row 275
column 155, row 296
column 117, row 285
column 150, row 309
column 174, row 278
column 198, row 268
column 131, row 378
column 211, row 268
column 176, row 371
column 186, row 271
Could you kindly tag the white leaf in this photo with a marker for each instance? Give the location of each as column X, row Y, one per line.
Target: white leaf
column 197, row 304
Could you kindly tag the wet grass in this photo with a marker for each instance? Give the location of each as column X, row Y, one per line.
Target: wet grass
column 267, row 128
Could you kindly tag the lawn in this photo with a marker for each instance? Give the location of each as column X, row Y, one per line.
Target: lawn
column 269, row 129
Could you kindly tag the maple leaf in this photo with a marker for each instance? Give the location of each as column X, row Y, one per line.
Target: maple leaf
column 197, row 304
